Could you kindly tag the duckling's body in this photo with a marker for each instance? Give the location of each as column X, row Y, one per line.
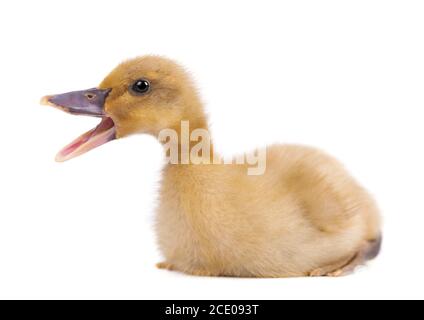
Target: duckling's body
column 304, row 216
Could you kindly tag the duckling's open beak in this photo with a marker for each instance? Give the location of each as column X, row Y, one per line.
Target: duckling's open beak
column 90, row 103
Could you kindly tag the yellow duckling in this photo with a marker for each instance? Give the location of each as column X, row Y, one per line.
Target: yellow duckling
column 303, row 216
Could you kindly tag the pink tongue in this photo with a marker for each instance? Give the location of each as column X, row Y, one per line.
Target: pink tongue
column 103, row 133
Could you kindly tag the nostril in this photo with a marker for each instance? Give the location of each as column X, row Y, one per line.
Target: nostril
column 90, row 96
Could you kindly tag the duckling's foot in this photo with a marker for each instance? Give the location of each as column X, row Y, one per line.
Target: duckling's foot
column 165, row 265
column 323, row 272
column 195, row 272
column 334, row 270
column 368, row 251
column 348, row 269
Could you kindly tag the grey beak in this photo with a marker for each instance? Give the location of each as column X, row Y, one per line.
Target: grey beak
column 85, row 102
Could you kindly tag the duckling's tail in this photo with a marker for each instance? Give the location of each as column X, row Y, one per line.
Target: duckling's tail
column 368, row 251
column 373, row 248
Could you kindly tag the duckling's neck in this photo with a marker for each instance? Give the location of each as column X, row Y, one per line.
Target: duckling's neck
column 188, row 143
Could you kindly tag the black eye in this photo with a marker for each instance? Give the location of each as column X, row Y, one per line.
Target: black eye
column 140, row 86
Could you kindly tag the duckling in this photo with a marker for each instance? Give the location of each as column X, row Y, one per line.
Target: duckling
column 303, row 216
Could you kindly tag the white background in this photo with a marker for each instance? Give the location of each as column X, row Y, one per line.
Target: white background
column 344, row 76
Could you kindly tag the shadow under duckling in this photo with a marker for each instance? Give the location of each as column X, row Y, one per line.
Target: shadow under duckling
column 304, row 216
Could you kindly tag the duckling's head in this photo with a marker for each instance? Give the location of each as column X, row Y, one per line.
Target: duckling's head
column 142, row 95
